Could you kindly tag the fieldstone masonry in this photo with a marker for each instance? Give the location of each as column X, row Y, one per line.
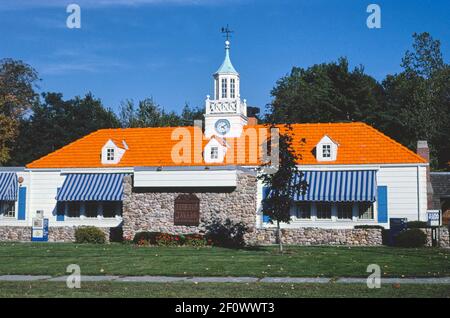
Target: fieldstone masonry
column 318, row 236
column 154, row 211
column 444, row 237
column 55, row 234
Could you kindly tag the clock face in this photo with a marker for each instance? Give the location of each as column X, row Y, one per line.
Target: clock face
column 222, row 126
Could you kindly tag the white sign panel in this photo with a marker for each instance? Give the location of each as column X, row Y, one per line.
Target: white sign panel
column 434, row 217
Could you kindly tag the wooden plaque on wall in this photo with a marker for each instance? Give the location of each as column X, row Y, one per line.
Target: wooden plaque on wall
column 187, row 210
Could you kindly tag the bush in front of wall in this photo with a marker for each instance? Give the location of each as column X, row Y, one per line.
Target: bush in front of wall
column 89, row 234
column 417, row 225
column 411, row 238
column 145, row 238
column 196, row 240
column 226, row 234
column 165, row 239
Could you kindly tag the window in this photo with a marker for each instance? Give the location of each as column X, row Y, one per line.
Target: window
column 224, row 88
column 326, row 151
column 112, row 208
column 8, row 209
column 232, row 88
column 365, row 210
column 214, row 153
column 91, row 209
column 73, row 209
column 187, row 210
column 110, row 154
column 345, row 210
column 323, row 210
column 303, row 210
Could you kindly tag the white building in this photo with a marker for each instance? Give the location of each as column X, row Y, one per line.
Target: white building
column 356, row 175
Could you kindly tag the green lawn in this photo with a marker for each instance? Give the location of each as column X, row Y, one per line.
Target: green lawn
column 118, row 259
column 225, row 290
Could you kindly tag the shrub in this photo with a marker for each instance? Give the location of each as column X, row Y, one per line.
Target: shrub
column 411, row 238
column 368, row 227
column 226, row 234
column 165, row 239
column 417, row 225
column 195, row 240
column 145, row 238
column 89, row 234
column 116, row 234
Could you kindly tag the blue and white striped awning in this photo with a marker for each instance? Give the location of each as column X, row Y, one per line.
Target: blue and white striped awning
column 92, row 187
column 8, row 186
column 339, row 186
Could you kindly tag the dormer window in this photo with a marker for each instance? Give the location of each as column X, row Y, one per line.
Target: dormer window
column 113, row 151
column 214, row 153
column 110, row 154
column 326, row 151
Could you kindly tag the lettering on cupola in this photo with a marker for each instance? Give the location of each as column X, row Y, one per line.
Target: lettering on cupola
column 226, row 114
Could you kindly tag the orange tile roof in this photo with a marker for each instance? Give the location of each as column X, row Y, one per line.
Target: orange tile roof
column 358, row 144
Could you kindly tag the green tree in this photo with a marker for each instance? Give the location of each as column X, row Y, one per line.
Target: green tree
column 418, row 100
column 284, row 182
column 326, row 93
column 56, row 122
column 148, row 113
column 17, row 95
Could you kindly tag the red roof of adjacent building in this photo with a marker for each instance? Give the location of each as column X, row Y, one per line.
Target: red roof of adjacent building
column 359, row 143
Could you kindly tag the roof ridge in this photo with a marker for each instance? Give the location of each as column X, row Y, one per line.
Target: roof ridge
column 394, row 142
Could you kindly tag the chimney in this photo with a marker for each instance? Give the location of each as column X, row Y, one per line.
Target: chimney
column 424, row 152
column 252, row 121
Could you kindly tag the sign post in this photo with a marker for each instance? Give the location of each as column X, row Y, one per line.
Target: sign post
column 434, row 218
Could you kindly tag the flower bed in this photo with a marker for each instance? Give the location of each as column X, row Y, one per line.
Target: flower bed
column 165, row 239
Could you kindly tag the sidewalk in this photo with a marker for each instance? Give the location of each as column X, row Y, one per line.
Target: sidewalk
column 171, row 279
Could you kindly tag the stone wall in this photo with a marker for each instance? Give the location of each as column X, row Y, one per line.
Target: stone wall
column 154, row 211
column 317, row 236
column 444, row 236
column 55, row 234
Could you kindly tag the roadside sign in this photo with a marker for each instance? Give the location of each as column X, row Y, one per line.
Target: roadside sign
column 434, row 217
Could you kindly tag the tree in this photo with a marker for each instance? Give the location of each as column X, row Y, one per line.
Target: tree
column 426, row 57
column 326, row 93
column 17, row 95
column 188, row 115
column 56, row 122
column 418, row 100
column 149, row 114
column 284, row 183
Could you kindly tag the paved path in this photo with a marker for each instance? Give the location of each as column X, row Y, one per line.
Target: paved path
column 169, row 279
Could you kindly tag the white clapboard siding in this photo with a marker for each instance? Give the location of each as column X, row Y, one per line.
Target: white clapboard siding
column 204, row 178
column 403, row 189
column 43, row 188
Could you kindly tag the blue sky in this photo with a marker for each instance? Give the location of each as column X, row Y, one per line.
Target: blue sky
column 169, row 49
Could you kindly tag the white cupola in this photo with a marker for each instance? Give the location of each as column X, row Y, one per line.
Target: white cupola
column 226, row 114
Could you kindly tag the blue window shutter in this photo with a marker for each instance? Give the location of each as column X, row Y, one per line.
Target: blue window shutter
column 382, row 204
column 22, row 203
column 60, row 209
column 265, row 193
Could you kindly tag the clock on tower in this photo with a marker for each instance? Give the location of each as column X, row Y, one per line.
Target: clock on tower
column 226, row 114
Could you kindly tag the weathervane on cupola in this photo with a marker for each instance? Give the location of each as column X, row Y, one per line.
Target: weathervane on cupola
column 226, row 114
